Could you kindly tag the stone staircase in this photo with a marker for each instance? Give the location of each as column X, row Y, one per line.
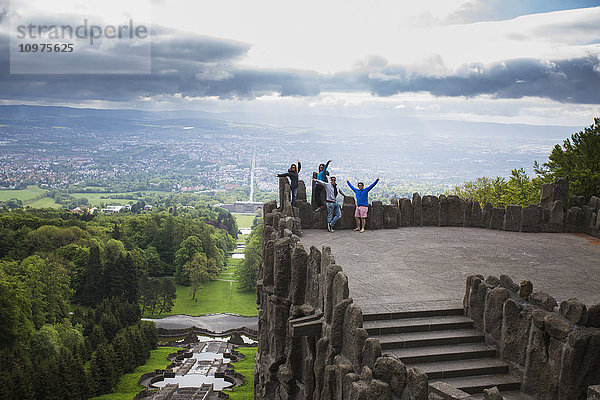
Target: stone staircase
column 442, row 342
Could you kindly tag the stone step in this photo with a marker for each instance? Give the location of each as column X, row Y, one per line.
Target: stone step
column 434, row 338
column 507, row 395
column 476, row 384
column 421, row 324
column 451, row 308
column 453, row 369
column 429, row 354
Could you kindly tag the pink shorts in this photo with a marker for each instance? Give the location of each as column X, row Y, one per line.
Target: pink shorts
column 361, row 212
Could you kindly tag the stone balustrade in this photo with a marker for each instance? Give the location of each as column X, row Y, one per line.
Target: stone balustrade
column 554, row 348
column 556, row 212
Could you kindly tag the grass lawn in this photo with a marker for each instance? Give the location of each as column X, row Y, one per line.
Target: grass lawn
column 215, row 297
column 246, row 368
column 24, row 195
column 44, row 202
column 96, row 198
column 128, row 386
column 243, row 220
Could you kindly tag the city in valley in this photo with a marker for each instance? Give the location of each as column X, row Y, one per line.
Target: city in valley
column 87, row 151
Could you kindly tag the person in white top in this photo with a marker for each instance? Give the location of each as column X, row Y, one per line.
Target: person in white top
column 333, row 208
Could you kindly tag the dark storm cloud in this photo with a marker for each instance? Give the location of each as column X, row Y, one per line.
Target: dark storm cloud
column 570, row 81
column 204, row 66
column 174, row 45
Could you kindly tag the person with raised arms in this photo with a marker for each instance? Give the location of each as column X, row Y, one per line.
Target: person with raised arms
column 362, row 203
column 318, row 190
column 333, row 208
column 293, row 174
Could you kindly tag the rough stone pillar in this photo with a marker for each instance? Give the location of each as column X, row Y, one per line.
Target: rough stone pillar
column 443, row 210
column 594, row 203
column 588, row 224
column 574, row 220
column 468, row 214
column 477, row 216
column 285, row 193
column 417, row 209
column 512, row 218
column 269, row 207
column 305, row 212
column 497, row 218
column 431, row 210
column 299, row 276
column 556, row 223
column 282, row 267
column 313, row 279
column 486, row 218
column 348, row 210
column 319, row 219
column 396, row 203
column 531, row 218
column 576, row 201
column 561, row 192
column 546, row 192
column 390, row 216
column 492, row 314
column 376, row 216
column 406, row 212
column 268, row 258
column 301, row 195
column 456, row 210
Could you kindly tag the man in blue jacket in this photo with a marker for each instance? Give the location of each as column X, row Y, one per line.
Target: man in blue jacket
column 362, row 203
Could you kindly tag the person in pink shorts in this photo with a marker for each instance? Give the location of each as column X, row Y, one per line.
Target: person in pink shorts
column 362, row 203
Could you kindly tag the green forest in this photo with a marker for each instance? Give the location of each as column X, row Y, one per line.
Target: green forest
column 73, row 287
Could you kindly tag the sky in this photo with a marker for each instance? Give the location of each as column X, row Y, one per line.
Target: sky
column 527, row 62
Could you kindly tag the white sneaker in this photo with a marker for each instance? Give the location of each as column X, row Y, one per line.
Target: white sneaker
column 329, row 228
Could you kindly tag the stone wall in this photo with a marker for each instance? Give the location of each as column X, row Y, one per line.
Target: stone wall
column 312, row 344
column 556, row 212
column 554, row 348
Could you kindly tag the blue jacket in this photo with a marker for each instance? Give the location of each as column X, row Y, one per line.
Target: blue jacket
column 321, row 175
column 362, row 195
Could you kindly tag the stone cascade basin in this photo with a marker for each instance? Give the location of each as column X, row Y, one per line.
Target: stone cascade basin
column 216, row 323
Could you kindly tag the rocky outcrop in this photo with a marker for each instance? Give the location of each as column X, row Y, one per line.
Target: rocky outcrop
column 555, row 350
column 312, row 344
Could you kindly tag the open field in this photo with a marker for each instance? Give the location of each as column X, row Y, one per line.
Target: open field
column 44, row 202
column 128, row 386
column 215, row 297
column 96, row 198
column 24, row 195
column 243, row 220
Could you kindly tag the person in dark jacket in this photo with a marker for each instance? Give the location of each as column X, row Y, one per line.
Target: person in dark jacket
column 293, row 173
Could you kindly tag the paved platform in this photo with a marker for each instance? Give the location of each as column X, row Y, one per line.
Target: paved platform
column 392, row 268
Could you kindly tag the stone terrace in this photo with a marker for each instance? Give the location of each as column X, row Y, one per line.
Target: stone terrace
column 392, row 269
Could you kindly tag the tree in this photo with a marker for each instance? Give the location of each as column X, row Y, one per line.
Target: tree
column 103, row 375
column 247, row 271
column 167, row 296
column 15, row 310
column 520, row 190
column 579, row 159
column 93, row 287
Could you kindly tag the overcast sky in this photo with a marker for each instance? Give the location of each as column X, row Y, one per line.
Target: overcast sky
column 534, row 62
